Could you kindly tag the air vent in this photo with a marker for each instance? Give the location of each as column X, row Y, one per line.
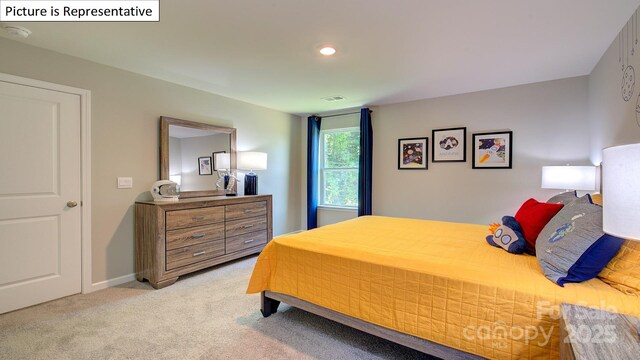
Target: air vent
column 333, row 98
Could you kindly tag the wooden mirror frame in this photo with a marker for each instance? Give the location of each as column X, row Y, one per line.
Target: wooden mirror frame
column 165, row 122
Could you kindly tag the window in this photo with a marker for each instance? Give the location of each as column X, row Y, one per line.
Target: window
column 339, row 154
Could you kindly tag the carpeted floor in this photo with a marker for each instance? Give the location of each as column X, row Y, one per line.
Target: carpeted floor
column 206, row 315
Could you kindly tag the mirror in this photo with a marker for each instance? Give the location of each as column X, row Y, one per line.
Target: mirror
column 187, row 151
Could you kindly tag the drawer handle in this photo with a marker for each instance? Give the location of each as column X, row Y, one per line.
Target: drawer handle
column 197, row 218
column 248, row 241
column 197, row 236
column 198, row 253
column 246, row 226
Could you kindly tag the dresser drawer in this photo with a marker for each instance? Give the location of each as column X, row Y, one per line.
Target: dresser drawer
column 246, row 210
column 194, row 217
column 244, row 226
column 194, row 235
column 194, row 253
column 237, row 243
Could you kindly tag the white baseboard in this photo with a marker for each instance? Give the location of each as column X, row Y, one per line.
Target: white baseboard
column 289, row 233
column 112, row 282
column 131, row 277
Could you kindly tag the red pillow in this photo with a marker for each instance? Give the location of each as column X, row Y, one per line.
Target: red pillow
column 532, row 217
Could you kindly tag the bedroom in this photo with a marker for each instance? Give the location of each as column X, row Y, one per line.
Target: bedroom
column 555, row 121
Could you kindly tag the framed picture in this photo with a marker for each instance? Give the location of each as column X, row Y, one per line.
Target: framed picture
column 413, row 153
column 213, row 158
column 449, row 145
column 204, row 165
column 492, row 150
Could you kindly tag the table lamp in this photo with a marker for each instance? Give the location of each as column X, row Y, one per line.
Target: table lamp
column 569, row 177
column 251, row 160
column 621, row 192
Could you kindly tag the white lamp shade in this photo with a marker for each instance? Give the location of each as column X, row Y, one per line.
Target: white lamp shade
column 252, row 160
column 223, row 161
column 621, row 191
column 569, row 177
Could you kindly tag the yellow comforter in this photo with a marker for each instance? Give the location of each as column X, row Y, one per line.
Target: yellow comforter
column 435, row 280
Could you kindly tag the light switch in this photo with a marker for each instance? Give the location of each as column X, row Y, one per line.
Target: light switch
column 125, row 183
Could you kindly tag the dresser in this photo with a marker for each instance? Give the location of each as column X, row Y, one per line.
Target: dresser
column 177, row 238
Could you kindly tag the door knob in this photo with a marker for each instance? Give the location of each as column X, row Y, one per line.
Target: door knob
column 72, row 204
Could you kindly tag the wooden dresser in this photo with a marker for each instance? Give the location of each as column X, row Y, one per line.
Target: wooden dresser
column 177, row 238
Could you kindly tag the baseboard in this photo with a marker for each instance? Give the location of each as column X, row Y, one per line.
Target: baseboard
column 290, row 233
column 112, row 282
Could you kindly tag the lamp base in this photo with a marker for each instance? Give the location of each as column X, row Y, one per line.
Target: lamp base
column 251, row 184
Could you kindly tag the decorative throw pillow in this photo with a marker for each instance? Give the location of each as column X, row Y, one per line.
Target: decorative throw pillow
column 623, row 272
column 564, row 198
column 572, row 247
column 596, row 199
column 507, row 236
column 532, row 217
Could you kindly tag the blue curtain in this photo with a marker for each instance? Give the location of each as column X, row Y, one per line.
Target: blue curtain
column 313, row 139
column 365, row 164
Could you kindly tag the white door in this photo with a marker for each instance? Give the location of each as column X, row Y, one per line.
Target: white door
column 40, row 227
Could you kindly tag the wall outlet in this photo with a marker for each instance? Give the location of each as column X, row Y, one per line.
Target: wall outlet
column 125, row 183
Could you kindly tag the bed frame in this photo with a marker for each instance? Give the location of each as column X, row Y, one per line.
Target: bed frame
column 269, row 302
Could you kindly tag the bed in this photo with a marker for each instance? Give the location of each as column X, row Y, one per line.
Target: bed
column 434, row 286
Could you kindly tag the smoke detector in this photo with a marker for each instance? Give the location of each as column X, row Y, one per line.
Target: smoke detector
column 17, row 31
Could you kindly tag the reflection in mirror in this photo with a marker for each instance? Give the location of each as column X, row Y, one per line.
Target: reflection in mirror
column 186, row 146
column 187, row 157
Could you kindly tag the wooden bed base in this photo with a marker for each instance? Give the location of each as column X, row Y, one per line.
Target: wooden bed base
column 269, row 302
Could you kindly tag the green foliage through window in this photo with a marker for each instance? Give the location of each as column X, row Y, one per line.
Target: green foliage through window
column 339, row 167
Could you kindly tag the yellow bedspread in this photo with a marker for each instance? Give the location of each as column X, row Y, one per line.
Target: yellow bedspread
column 435, row 280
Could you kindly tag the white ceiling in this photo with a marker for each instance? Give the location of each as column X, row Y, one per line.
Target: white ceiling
column 265, row 51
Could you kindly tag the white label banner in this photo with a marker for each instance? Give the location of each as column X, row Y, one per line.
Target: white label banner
column 90, row 11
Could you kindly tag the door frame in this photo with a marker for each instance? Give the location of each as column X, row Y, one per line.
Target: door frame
column 85, row 164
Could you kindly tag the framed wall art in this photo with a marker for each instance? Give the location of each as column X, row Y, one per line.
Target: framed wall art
column 413, row 153
column 449, row 145
column 492, row 150
column 213, row 158
column 204, row 165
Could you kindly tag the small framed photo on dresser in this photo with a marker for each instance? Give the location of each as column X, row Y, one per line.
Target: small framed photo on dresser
column 413, row 153
column 492, row 150
column 449, row 145
column 204, row 165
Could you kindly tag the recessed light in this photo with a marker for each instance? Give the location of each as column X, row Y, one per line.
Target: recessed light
column 327, row 51
column 18, row 31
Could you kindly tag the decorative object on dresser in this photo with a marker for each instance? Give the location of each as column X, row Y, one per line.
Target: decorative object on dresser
column 587, row 333
column 226, row 180
column 204, row 165
column 165, row 190
column 492, row 150
column 177, row 238
column 251, row 160
column 569, row 177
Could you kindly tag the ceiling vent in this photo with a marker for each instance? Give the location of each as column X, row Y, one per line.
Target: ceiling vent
column 333, row 98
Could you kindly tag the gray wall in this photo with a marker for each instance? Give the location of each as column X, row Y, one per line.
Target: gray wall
column 613, row 121
column 125, row 114
column 550, row 127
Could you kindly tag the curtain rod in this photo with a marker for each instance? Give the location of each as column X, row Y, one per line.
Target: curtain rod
column 351, row 113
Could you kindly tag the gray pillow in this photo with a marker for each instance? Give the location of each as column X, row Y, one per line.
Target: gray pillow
column 572, row 246
column 564, row 198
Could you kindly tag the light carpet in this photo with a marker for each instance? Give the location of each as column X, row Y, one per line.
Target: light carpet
column 205, row 315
